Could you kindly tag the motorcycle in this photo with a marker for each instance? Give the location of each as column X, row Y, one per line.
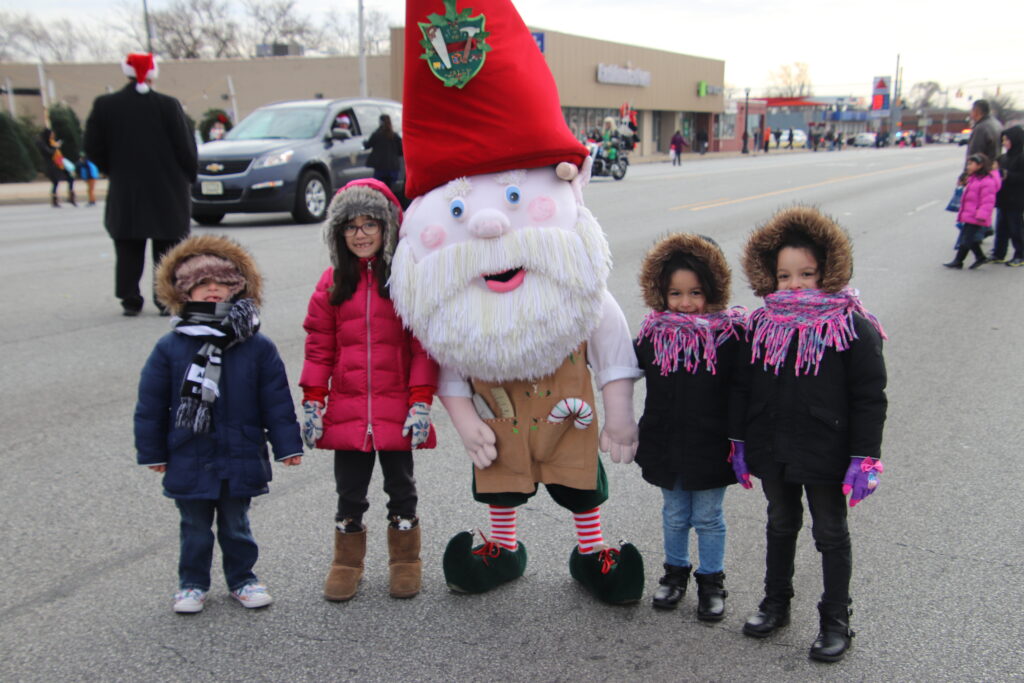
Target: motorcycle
column 609, row 160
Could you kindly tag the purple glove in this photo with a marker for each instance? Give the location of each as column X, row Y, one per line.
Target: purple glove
column 861, row 478
column 738, row 461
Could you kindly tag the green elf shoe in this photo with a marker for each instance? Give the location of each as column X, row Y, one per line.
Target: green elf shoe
column 614, row 576
column 478, row 570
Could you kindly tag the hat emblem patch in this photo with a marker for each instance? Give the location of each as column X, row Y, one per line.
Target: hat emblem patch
column 454, row 44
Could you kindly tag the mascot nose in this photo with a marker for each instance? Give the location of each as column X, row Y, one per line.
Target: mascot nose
column 488, row 224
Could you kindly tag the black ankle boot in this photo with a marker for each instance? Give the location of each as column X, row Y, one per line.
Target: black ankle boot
column 71, row 199
column 671, row 587
column 711, row 595
column 769, row 617
column 834, row 636
column 54, row 202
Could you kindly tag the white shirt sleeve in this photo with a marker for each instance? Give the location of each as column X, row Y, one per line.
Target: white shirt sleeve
column 610, row 348
column 451, row 383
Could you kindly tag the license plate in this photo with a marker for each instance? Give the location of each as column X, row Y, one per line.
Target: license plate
column 213, row 187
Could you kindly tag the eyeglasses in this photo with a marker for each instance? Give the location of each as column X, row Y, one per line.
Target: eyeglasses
column 369, row 228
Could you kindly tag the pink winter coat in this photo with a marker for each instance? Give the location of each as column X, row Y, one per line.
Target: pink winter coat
column 979, row 199
column 361, row 351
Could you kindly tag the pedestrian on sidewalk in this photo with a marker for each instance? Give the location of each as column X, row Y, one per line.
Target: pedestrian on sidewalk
column 88, row 172
column 1010, row 200
column 141, row 140
column 975, row 216
column 676, row 148
column 212, row 393
column 55, row 166
column 688, row 349
column 367, row 387
column 814, row 406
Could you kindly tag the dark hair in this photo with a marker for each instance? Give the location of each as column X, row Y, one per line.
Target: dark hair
column 984, row 161
column 981, row 106
column 346, row 275
column 683, row 261
column 45, row 134
column 796, row 240
column 385, row 125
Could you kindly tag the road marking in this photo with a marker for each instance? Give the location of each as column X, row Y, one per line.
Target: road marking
column 706, row 201
column 703, row 205
column 923, row 206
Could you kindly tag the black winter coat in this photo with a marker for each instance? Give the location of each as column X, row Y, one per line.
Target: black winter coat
column 384, row 151
column 685, row 427
column 1011, row 192
column 806, row 428
column 144, row 145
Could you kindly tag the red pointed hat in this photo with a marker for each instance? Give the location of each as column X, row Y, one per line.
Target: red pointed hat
column 478, row 95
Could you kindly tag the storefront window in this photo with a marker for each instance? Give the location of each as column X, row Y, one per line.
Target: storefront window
column 726, row 128
column 583, row 120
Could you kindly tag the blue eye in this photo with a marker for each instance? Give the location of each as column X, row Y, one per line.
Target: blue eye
column 457, row 208
column 512, row 194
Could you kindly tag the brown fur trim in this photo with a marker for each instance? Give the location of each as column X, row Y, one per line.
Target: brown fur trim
column 700, row 248
column 216, row 245
column 763, row 244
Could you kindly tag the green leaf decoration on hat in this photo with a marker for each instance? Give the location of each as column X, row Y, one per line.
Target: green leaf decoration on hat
column 454, row 44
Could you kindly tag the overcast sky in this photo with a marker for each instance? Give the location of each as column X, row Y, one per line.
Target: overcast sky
column 960, row 45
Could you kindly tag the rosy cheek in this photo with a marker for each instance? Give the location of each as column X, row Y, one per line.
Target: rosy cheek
column 542, row 209
column 432, row 236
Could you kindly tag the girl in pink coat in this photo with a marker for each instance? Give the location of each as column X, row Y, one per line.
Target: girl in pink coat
column 976, row 206
column 367, row 386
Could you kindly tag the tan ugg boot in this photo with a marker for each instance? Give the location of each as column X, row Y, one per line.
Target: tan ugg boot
column 347, row 567
column 404, row 566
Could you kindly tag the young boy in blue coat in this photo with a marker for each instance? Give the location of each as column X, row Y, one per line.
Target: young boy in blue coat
column 212, row 393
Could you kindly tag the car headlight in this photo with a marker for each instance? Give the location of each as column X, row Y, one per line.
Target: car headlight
column 275, row 159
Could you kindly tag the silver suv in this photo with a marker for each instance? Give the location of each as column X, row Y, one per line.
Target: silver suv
column 288, row 156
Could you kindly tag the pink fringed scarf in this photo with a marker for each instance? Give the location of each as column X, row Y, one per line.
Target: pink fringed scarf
column 692, row 337
column 819, row 320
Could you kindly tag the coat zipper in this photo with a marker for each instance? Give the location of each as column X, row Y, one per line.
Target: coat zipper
column 369, row 361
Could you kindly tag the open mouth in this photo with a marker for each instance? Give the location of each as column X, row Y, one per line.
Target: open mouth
column 505, row 281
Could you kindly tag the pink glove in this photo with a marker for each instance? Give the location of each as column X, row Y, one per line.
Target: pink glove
column 477, row 437
column 737, row 458
column 620, row 435
column 861, row 478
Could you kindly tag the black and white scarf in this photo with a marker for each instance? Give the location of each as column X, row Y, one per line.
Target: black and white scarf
column 220, row 326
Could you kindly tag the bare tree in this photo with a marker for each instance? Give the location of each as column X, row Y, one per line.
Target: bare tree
column 279, row 21
column 791, row 80
column 924, row 94
column 341, row 32
column 12, row 35
column 1003, row 106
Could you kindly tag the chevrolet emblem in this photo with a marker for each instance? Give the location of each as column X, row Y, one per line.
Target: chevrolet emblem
column 215, row 167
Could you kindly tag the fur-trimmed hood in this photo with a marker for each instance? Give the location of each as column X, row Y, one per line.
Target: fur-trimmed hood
column 761, row 250
column 700, row 248
column 363, row 197
column 197, row 245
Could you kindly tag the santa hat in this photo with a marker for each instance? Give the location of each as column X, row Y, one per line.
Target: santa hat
column 478, row 95
column 140, row 66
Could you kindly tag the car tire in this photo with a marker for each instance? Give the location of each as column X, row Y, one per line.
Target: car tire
column 311, row 198
column 208, row 218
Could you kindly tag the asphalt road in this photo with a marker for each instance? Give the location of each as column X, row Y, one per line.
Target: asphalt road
column 89, row 546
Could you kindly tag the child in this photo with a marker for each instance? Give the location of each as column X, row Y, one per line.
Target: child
column 212, row 392
column 815, row 408
column 1010, row 200
column 687, row 347
column 378, row 384
column 976, row 205
column 88, row 172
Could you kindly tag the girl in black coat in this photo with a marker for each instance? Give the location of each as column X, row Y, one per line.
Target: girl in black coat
column 814, row 409
column 687, row 349
column 53, row 164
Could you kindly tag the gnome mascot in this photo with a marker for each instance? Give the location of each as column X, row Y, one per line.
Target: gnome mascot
column 501, row 274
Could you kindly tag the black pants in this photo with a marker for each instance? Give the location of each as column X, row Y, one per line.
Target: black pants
column 352, row 473
column 831, row 537
column 131, row 259
column 1009, row 229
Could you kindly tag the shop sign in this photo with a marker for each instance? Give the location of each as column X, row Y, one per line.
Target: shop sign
column 704, row 89
column 622, row 75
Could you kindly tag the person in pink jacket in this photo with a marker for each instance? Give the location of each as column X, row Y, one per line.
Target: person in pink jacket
column 976, row 206
column 367, row 386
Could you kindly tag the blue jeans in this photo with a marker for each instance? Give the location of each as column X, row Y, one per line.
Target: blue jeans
column 237, row 545
column 700, row 510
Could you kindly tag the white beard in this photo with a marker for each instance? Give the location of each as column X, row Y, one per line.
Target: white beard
column 519, row 335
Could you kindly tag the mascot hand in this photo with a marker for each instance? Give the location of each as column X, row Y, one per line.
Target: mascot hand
column 619, row 438
column 476, row 436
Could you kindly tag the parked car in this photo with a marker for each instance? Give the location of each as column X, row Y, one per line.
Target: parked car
column 962, row 137
column 799, row 138
column 288, row 156
column 865, row 139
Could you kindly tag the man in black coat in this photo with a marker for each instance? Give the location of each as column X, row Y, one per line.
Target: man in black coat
column 142, row 141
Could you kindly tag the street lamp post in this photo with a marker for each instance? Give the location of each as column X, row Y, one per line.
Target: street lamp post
column 746, row 120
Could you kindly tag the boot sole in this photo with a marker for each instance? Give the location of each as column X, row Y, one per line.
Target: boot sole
column 711, row 617
column 831, row 659
column 664, row 606
column 762, row 634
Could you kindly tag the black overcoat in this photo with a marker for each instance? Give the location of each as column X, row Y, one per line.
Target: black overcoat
column 143, row 143
column 685, row 428
column 806, row 428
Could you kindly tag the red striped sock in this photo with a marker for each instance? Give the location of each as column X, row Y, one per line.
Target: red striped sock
column 503, row 527
column 588, row 530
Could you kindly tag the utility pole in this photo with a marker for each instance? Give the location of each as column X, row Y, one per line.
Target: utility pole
column 746, row 121
column 362, row 53
column 234, row 102
column 893, row 104
column 149, row 33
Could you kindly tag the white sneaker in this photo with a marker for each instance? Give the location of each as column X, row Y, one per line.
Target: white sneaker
column 189, row 601
column 252, row 595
